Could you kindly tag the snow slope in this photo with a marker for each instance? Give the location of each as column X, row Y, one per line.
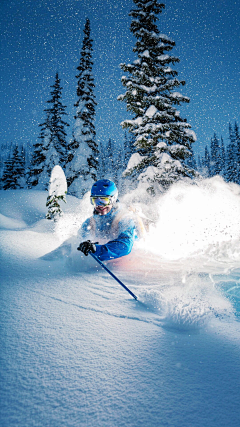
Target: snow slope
column 77, row 350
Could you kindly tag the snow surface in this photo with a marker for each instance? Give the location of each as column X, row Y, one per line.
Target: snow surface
column 77, row 350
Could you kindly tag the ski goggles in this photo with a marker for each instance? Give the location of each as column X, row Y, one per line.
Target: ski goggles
column 101, row 201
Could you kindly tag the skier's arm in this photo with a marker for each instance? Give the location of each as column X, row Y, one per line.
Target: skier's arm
column 118, row 247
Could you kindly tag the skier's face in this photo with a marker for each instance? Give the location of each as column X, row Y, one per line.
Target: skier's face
column 102, row 204
column 103, row 210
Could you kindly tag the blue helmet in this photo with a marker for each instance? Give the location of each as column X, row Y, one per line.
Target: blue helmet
column 104, row 187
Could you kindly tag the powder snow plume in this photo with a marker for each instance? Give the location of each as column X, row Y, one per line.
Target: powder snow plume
column 183, row 265
column 197, row 219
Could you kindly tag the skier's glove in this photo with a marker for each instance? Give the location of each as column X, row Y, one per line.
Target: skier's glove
column 87, row 247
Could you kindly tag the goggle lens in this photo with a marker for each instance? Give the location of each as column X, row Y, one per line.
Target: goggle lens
column 101, row 201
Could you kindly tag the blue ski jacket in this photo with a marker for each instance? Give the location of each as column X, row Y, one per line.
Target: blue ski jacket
column 115, row 233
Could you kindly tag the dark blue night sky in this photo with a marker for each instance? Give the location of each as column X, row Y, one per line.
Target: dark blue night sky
column 40, row 37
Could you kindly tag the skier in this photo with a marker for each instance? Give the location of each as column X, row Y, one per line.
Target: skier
column 113, row 226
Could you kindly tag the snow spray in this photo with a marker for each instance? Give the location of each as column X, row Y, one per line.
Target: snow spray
column 198, row 219
column 188, row 255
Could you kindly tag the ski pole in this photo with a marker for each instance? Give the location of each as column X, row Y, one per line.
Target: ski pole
column 113, row 275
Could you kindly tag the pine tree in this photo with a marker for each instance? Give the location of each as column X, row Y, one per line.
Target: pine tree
column 4, row 154
column 109, row 158
column 223, row 157
column 102, row 167
column 215, row 164
column 126, row 150
column 163, row 138
column 6, row 151
column 82, row 166
column 57, row 126
column 28, row 155
column 38, row 159
column 14, row 171
column 237, row 145
column 128, row 147
column 199, row 162
column 112, row 161
column 206, row 160
column 41, row 166
column 51, row 150
column 191, row 161
column 231, row 168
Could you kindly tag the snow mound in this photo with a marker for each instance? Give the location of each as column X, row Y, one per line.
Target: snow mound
column 27, row 206
column 11, row 223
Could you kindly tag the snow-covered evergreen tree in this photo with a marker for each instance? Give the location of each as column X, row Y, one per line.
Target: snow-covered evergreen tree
column 82, row 166
column 230, row 170
column 57, row 192
column 56, row 112
column 25, row 151
column 128, row 147
column 110, row 159
column 5, row 151
column 102, row 167
column 163, row 138
column 119, row 164
column 223, row 157
column 199, row 163
column 237, row 145
column 14, row 171
column 206, row 160
column 191, row 161
column 231, row 163
column 216, row 153
column 51, row 149
column 38, row 176
column 126, row 150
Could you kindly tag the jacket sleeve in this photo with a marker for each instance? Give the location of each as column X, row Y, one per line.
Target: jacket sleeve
column 118, row 247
